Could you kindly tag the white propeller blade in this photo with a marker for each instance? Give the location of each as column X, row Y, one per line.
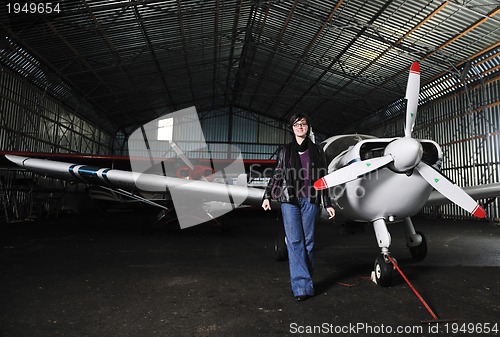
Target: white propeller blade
column 412, row 92
column 450, row 190
column 351, row 172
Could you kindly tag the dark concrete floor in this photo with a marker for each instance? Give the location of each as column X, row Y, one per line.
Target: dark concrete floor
column 97, row 275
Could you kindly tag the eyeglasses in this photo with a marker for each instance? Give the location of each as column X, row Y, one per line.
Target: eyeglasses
column 299, row 125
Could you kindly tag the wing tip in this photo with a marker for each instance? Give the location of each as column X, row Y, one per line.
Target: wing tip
column 18, row 160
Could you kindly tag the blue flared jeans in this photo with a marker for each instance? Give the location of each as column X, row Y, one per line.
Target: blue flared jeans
column 299, row 220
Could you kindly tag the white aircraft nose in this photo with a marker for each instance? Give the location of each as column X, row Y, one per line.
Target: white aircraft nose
column 406, row 152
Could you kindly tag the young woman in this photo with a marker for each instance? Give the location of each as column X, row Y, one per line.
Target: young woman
column 299, row 164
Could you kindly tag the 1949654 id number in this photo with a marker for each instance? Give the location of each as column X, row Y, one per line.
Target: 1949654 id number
column 33, row 7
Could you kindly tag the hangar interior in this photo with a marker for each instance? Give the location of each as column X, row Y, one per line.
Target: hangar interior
column 81, row 79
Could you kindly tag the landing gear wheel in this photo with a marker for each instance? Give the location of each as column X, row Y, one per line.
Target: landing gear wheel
column 280, row 249
column 419, row 252
column 383, row 272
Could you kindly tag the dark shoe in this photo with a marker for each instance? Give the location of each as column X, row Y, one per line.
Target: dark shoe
column 301, row 298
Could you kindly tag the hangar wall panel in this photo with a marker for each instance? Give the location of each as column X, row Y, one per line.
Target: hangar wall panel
column 252, row 135
column 31, row 120
column 34, row 121
column 257, row 137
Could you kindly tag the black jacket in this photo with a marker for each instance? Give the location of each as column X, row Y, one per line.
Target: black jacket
column 281, row 186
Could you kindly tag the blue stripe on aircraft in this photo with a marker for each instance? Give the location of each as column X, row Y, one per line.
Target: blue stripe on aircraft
column 87, row 174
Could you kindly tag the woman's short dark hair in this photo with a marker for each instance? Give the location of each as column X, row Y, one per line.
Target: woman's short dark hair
column 297, row 117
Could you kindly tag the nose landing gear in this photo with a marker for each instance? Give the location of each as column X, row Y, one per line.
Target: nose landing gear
column 382, row 267
column 416, row 242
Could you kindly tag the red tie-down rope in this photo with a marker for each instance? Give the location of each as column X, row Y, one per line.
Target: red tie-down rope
column 435, row 319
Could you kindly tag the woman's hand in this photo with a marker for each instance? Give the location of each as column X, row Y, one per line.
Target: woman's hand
column 266, row 205
column 331, row 212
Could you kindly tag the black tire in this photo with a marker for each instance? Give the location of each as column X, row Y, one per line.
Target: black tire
column 419, row 252
column 383, row 272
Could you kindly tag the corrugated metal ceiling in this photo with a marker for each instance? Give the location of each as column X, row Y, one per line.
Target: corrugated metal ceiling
column 339, row 61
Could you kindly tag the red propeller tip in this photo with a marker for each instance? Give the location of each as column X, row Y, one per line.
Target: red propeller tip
column 320, row 184
column 479, row 212
column 415, row 68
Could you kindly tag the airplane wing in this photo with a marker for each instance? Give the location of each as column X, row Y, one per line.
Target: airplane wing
column 130, row 180
column 134, row 181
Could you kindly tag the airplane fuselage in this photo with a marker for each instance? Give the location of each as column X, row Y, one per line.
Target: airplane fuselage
column 388, row 193
column 383, row 194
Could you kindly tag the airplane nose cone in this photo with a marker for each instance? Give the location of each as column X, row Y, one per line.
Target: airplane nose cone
column 406, row 152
